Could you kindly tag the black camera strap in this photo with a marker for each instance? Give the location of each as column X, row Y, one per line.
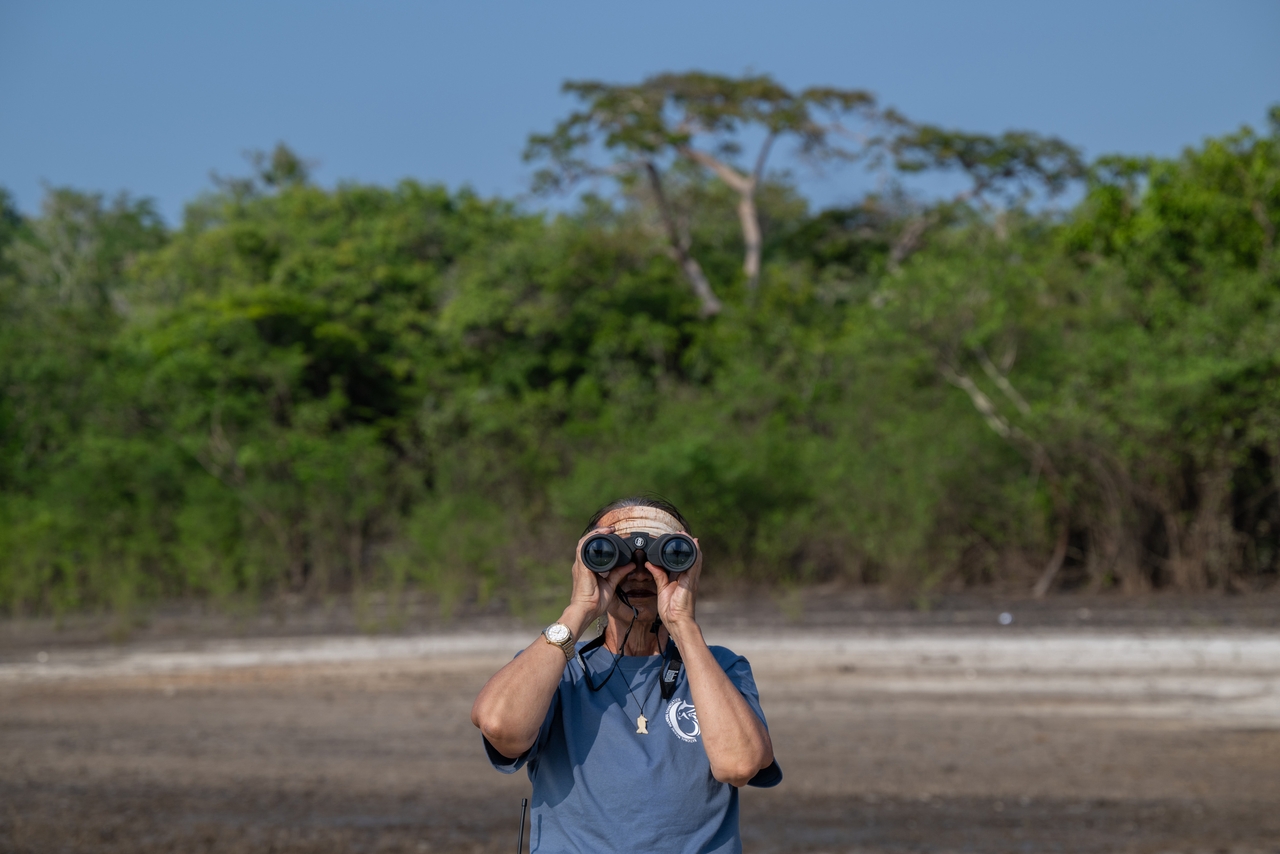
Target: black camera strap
column 672, row 664
column 592, row 646
column 599, row 642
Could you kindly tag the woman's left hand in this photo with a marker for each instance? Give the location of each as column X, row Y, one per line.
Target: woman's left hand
column 677, row 597
column 736, row 740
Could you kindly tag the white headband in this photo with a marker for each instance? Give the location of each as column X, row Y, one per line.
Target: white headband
column 651, row 520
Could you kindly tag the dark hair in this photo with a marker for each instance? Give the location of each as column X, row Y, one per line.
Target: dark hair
column 648, row 500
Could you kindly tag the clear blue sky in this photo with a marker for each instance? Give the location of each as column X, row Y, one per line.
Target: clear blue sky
column 150, row 97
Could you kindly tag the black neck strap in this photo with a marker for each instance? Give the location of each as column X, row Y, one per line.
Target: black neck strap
column 599, row 642
column 672, row 663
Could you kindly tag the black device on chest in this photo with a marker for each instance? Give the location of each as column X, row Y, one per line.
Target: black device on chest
column 671, row 666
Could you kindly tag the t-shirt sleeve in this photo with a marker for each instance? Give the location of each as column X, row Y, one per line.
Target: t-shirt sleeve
column 508, row 765
column 738, row 669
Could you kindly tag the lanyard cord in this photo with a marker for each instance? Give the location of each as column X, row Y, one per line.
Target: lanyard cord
column 599, row 642
column 671, row 664
column 595, row 644
column 657, row 683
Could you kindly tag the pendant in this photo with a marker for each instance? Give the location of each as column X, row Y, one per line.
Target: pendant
column 642, row 725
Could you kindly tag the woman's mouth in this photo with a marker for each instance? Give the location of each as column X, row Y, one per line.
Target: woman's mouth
column 640, row 593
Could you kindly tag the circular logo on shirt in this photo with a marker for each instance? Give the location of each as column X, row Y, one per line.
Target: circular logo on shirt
column 683, row 720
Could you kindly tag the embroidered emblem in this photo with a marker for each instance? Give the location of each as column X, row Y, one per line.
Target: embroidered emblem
column 683, row 720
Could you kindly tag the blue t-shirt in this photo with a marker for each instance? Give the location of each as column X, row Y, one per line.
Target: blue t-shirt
column 598, row 785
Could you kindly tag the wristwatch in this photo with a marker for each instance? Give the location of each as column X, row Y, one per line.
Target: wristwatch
column 558, row 634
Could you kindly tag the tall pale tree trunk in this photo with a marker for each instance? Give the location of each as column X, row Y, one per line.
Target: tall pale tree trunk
column 750, row 221
column 678, row 243
column 748, row 215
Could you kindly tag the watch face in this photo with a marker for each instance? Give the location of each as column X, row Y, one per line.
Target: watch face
column 557, row 633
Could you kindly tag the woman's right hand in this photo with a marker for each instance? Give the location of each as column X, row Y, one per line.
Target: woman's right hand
column 513, row 704
column 593, row 591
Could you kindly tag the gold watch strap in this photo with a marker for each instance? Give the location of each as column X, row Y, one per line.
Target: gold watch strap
column 567, row 649
column 566, row 646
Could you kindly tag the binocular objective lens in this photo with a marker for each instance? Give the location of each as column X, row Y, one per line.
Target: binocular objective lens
column 678, row 554
column 599, row 554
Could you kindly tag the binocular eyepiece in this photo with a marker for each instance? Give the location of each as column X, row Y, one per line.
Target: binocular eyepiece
column 672, row 552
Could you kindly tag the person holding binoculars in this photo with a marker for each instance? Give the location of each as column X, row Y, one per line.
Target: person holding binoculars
column 637, row 740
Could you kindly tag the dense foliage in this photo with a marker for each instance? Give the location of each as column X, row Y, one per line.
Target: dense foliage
column 314, row 390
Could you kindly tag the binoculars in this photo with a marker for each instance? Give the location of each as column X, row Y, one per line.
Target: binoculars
column 672, row 552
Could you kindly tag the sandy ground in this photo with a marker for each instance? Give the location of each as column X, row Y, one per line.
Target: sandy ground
column 892, row 739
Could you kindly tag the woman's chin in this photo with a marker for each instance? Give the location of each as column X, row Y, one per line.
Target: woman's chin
column 646, row 607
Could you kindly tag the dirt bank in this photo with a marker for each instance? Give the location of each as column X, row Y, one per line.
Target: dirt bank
column 892, row 738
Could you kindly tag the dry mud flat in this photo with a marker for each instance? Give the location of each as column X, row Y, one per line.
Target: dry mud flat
column 891, row 740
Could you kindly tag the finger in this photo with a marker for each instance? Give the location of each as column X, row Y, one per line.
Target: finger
column 660, row 576
column 690, row 578
column 611, row 579
column 696, row 569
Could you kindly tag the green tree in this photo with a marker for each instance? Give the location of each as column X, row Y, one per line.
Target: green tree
column 1178, row 362
column 313, row 390
column 701, row 120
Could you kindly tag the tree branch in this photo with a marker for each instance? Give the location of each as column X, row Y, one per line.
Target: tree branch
column 909, row 240
column 1062, row 508
column 981, row 402
column 1002, row 382
column 679, row 246
column 758, row 172
column 748, row 216
column 997, row 422
column 736, row 180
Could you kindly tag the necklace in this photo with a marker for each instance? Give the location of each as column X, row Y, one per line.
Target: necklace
column 642, row 723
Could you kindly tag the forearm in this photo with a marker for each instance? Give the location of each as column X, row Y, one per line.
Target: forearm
column 514, row 702
column 735, row 738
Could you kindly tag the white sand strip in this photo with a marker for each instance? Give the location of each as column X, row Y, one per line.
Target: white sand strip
column 1012, row 651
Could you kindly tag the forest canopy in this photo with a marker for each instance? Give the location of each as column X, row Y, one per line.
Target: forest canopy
column 312, row 390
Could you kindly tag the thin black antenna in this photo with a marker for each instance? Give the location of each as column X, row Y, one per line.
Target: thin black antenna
column 524, row 805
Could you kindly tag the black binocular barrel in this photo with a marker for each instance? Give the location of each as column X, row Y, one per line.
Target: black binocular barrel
column 606, row 552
